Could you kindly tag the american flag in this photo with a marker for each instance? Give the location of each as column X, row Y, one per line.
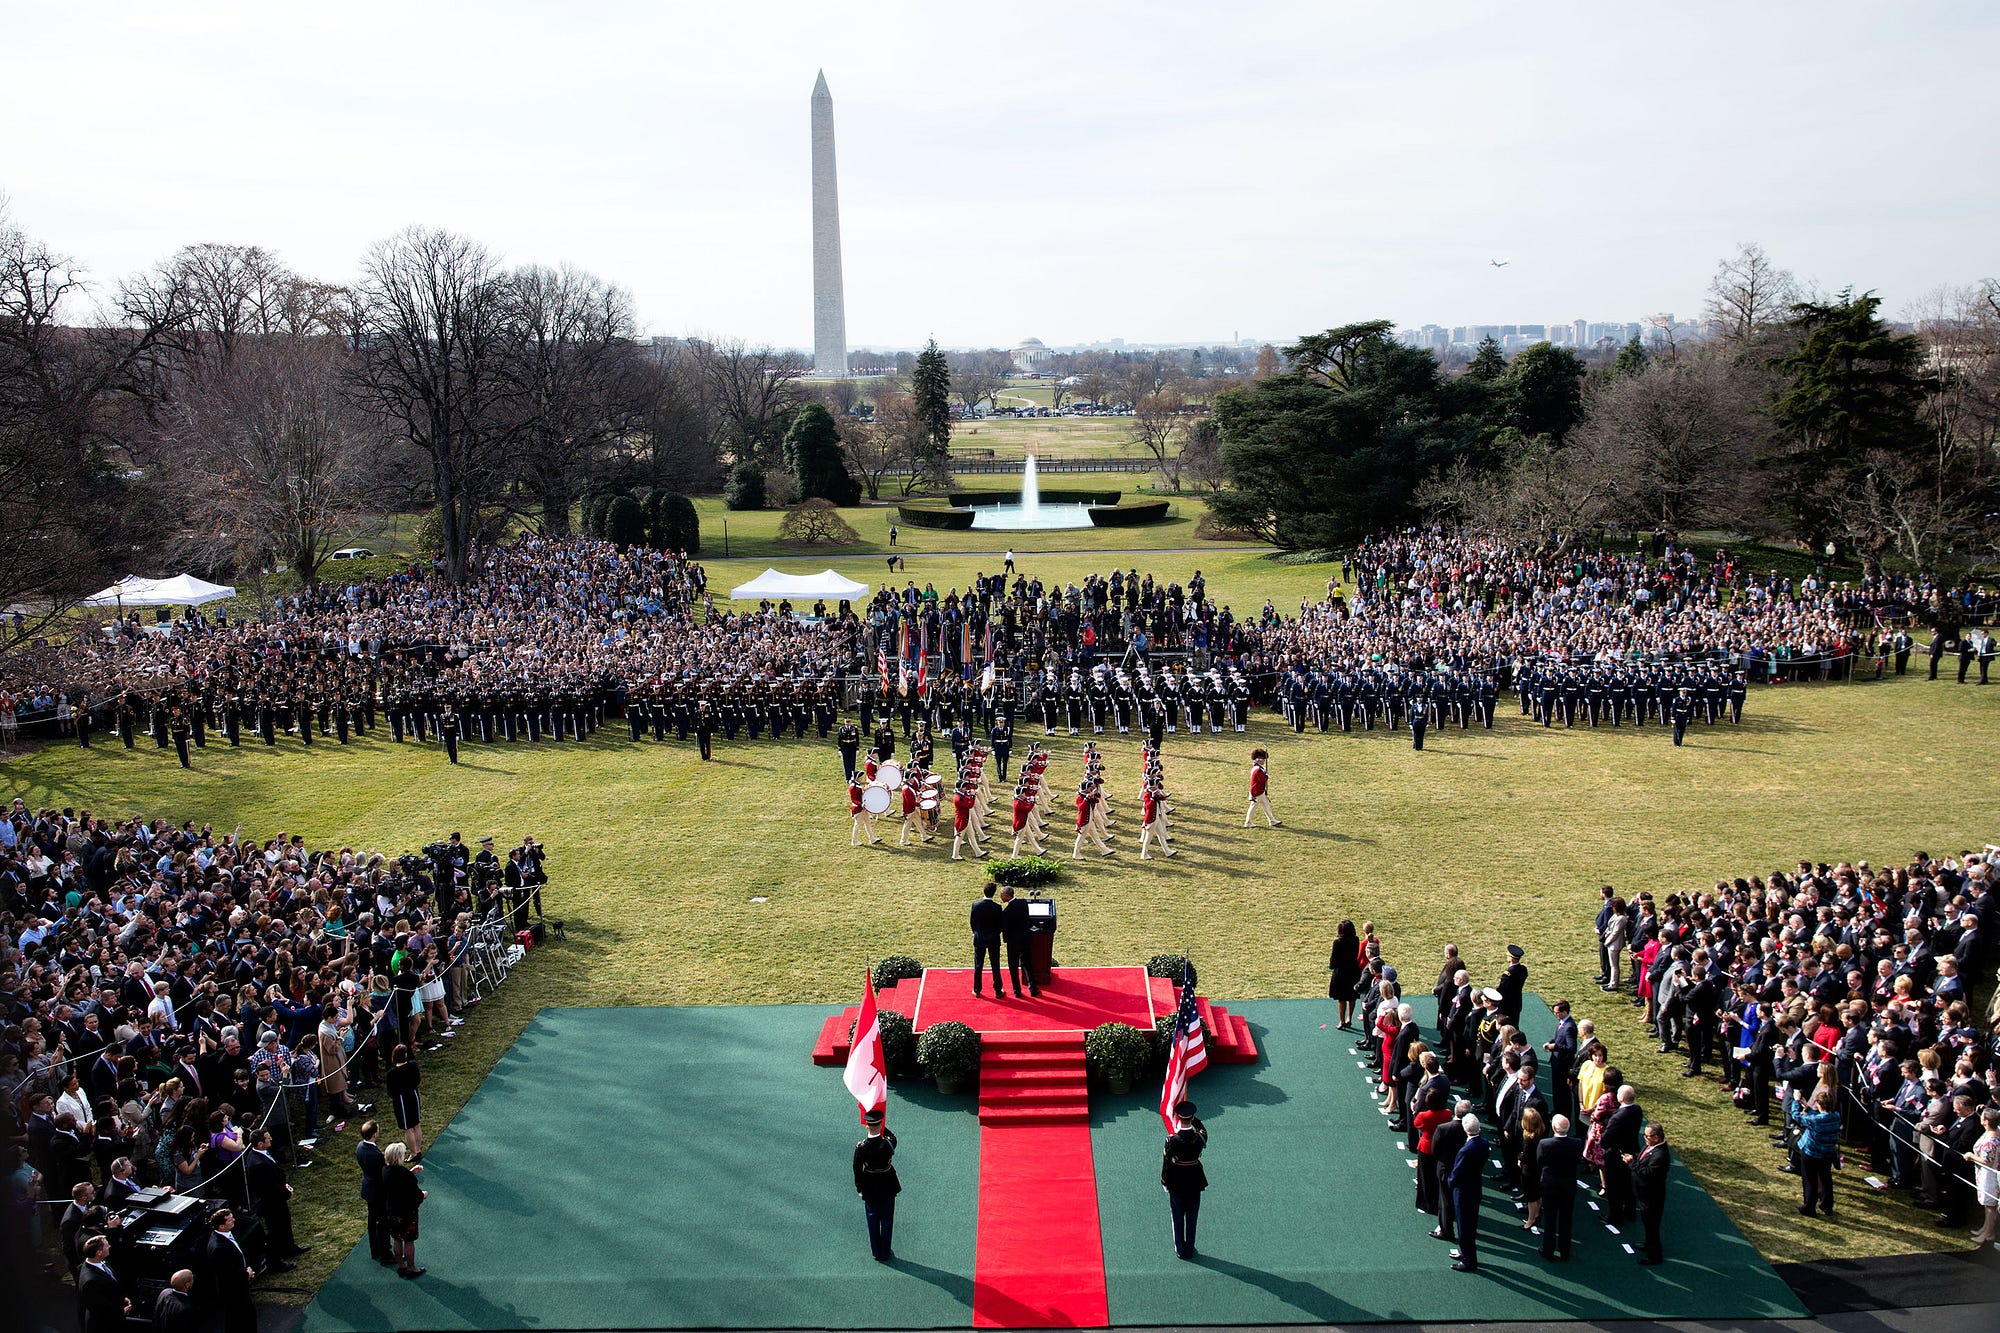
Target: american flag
column 923, row 656
column 882, row 662
column 1189, row 1055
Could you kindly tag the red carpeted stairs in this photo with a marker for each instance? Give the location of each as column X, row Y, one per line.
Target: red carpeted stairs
column 1032, row 1078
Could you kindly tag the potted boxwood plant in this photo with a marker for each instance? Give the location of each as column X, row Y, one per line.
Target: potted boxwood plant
column 949, row 1052
column 1118, row 1052
column 898, row 1045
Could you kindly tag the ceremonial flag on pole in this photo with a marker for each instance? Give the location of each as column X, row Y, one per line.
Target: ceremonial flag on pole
column 965, row 650
column 1188, row 1055
column 882, row 662
column 903, row 641
column 989, row 643
column 923, row 656
column 867, row 1075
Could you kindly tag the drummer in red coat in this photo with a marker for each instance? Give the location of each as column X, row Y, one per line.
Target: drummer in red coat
column 963, row 834
column 1153, row 821
column 1260, row 789
column 864, row 819
column 1024, row 808
column 1085, row 826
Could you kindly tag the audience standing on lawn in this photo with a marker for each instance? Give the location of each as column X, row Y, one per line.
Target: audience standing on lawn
column 195, row 1010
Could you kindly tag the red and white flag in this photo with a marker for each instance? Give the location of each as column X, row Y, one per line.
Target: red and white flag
column 867, row 1075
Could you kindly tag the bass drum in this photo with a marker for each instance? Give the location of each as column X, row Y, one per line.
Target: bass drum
column 889, row 773
column 875, row 800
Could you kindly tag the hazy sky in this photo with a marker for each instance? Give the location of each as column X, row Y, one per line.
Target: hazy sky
column 1164, row 171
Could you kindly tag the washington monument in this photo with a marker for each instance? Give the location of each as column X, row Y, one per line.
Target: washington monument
column 829, row 305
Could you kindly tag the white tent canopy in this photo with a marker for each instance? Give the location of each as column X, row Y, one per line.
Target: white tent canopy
column 774, row 585
column 180, row 590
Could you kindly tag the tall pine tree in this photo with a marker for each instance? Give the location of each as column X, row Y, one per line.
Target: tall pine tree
column 930, row 395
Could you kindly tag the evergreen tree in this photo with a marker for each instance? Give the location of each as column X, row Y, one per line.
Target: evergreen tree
column 1543, row 391
column 672, row 524
column 625, row 522
column 1488, row 365
column 1631, row 359
column 813, row 455
column 930, row 394
column 745, row 487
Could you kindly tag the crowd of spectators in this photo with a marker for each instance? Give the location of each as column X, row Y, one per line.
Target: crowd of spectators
column 1836, row 1004
column 196, row 1010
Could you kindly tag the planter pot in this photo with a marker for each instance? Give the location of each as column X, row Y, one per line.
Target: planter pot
column 1118, row 1083
column 951, row 1083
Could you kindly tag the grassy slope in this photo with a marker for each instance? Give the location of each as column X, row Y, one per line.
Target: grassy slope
column 1482, row 839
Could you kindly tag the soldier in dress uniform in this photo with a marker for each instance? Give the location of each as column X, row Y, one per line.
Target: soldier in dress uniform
column 1681, row 712
column 232, row 719
column 1182, row 1175
column 1153, row 821
column 875, row 1181
column 704, row 730
column 128, row 719
column 448, row 731
column 1001, row 737
column 849, row 741
column 964, row 831
column 1260, row 788
column 179, row 727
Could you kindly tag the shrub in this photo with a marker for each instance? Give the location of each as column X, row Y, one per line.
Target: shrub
column 1163, row 1038
column 899, row 1047
column 1129, row 515
column 781, row 488
column 816, row 522
column 948, row 1051
column 896, row 967
column 1025, row 872
column 1117, row 1051
column 933, row 516
column 1316, row 556
column 672, row 522
column 625, row 522
column 745, row 487
column 1213, row 529
column 1168, row 965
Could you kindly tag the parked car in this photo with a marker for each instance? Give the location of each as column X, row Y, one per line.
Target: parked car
column 351, row 553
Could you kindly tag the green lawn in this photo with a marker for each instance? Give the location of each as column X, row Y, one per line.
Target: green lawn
column 686, row 883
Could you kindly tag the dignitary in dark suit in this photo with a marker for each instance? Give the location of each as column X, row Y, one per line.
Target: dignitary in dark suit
column 1446, row 1140
column 1562, row 1061
column 368, row 1156
column 989, row 922
column 1621, row 1148
column 875, row 1181
column 1467, row 1180
column 1649, row 1183
column 230, row 1274
column 1014, row 929
column 1182, row 1175
column 1558, row 1159
column 271, row 1199
column 101, row 1306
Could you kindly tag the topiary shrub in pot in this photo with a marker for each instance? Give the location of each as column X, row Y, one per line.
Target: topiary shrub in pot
column 1169, row 965
column 1118, row 1053
column 949, row 1053
column 899, row 1046
column 897, row 967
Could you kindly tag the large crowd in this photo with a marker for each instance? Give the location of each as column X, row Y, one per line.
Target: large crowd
column 555, row 638
column 1835, row 1004
column 193, row 1010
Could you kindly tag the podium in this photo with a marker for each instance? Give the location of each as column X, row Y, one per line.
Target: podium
column 1041, row 939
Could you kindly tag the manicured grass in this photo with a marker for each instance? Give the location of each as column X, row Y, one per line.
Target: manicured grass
column 1484, row 838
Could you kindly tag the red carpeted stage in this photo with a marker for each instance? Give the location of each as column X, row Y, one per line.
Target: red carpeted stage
column 1034, row 1125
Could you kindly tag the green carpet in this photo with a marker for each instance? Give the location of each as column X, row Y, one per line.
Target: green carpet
column 673, row 1168
column 1310, row 1215
column 687, row 1167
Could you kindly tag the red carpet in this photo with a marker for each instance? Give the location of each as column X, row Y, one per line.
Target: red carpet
column 1076, row 999
column 1041, row 1259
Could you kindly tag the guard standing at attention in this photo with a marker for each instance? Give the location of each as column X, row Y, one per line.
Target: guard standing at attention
column 1001, row 735
column 1182, row 1175
column 875, row 1181
column 1680, row 712
column 447, row 731
column 849, row 741
column 179, row 729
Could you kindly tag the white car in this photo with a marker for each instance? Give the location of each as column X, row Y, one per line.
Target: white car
column 351, row 553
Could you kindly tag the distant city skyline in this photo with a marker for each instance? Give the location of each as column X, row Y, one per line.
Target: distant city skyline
column 1178, row 178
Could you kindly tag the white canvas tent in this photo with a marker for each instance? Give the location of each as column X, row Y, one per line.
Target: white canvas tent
column 774, row 585
column 180, row 590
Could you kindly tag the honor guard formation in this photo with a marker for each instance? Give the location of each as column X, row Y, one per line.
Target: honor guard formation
column 553, row 639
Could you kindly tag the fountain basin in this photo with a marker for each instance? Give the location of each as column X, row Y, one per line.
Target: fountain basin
column 1023, row 518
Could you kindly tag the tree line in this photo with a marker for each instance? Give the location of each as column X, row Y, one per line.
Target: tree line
column 1807, row 417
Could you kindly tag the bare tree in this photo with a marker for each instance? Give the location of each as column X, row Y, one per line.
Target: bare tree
column 1748, row 295
column 673, row 424
column 574, row 331
column 755, row 391
column 979, row 376
column 75, row 403
column 1201, row 454
column 872, row 450
column 1156, row 427
column 285, row 455
column 1678, row 440
column 437, row 361
column 1464, row 496
column 895, row 445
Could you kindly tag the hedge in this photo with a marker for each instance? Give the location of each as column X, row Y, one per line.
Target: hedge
column 922, row 516
column 961, row 499
column 1129, row 515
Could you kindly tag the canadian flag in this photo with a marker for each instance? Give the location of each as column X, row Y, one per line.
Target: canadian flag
column 867, row 1075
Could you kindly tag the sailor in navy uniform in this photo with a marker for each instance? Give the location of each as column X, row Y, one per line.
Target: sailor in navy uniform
column 1182, row 1176
column 875, row 1181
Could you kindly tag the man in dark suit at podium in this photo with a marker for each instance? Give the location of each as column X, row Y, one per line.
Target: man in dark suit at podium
column 1014, row 928
column 988, row 923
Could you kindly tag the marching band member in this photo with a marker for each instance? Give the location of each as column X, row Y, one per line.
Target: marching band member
column 912, row 818
column 1024, row 810
column 1153, row 822
column 864, row 822
column 963, row 833
column 1260, row 788
column 1085, row 828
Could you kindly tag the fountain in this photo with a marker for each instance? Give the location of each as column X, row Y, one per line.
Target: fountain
column 1030, row 514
